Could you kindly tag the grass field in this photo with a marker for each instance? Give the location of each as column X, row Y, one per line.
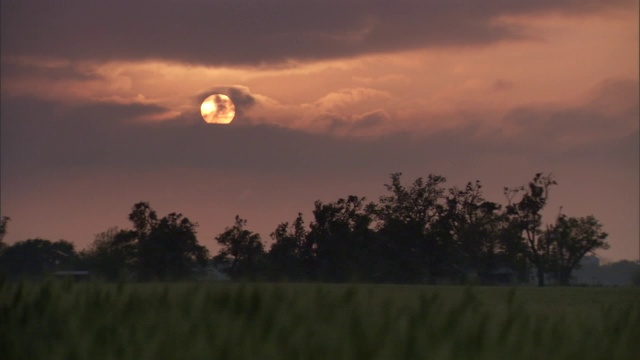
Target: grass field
column 58, row 320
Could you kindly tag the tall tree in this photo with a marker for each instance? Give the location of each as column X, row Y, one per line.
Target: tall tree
column 525, row 215
column 419, row 204
column 241, row 251
column 473, row 223
column 143, row 217
column 290, row 256
column 170, row 249
column 570, row 239
column 112, row 255
column 512, row 248
column 340, row 237
column 406, row 218
column 3, row 229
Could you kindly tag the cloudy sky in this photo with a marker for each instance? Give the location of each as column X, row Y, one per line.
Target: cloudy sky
column 100, row 107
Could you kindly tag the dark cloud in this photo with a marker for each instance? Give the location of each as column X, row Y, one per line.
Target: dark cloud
column 361, row 125
column 53, row 72
column 254, row 32
column 240, row 95
column 612, row 109
column 371, row 119
column 37, row 134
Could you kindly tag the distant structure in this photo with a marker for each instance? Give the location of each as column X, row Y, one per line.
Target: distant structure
column 212, row 273
column 503, row 275
column 590, row 260
column 74, row 274
column 619, row 273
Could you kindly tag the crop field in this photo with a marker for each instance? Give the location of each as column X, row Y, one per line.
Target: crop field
column 65, row 320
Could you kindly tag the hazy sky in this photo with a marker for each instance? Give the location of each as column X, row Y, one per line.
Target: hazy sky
column 100, row 107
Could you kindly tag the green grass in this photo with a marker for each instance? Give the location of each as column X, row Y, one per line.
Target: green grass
column 56, row 320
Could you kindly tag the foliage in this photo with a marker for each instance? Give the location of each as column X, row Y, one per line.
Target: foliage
column 570, row 239
column 266, row 321
column 422, row 233
column 3, row 229
column 339, row 237
column 170, row 249
column 144, row 218
column 525, row 216
column 241, row 250
column 474, row 225
column 36, row 258
column 291, row 255
column 406, row 218
column 417, row 233
column 112, row 255
column 155, row 249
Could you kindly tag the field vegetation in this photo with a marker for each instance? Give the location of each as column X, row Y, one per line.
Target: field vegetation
column 89, row 320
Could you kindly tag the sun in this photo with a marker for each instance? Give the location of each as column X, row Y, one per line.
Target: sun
column 218, row 109
column 207, row 107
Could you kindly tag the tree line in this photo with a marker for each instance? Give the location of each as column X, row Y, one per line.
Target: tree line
column 422, row 232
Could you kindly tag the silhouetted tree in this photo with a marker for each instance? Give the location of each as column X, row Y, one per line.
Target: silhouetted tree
column 155, row 249
column 3, row 230
column 570, row 239
column 168, row 248
column 37, row 257
column 416, row 233
column 241, row 252
column 526, row 217
column 290, row 256
column 112, row 255
column 144, row 218
column 512, row 248
column 405, row 222
column 340, row 238
column 474, row 225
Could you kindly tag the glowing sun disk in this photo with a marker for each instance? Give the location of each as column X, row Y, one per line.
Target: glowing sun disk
column 218, row 109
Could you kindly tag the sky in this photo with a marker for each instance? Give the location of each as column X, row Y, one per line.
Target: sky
column 100, row 108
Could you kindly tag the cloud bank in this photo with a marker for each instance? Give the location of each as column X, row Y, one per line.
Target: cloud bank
column 253, row 32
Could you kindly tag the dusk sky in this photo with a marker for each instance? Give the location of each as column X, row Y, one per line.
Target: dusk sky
column 100, row 108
